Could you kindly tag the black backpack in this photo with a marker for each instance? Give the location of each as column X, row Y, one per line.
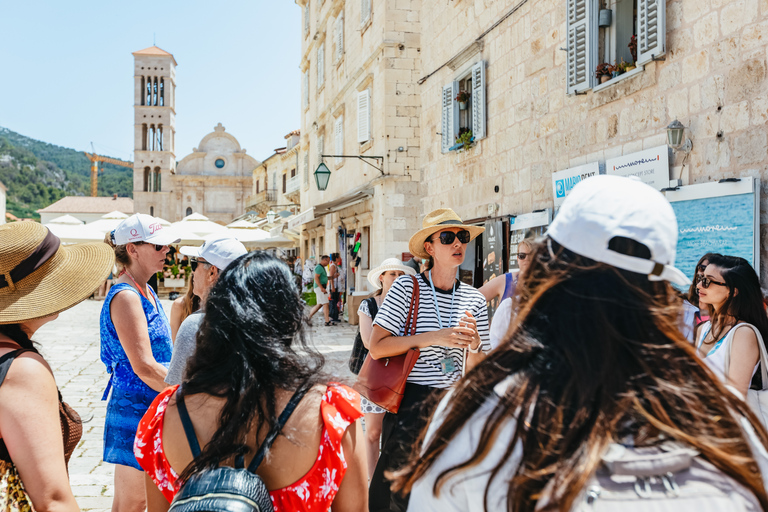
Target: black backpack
column 227, row 489
column 359, row 352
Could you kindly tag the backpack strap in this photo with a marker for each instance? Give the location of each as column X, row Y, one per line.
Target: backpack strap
column 373, row 308
column 275, row 431
column 189, row 429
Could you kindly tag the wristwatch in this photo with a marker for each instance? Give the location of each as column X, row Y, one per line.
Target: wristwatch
column 475, row 350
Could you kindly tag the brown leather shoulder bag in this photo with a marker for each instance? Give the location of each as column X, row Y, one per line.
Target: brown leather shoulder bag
column 382, row 381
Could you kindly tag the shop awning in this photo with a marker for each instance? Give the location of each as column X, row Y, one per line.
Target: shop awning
column 302, row 218
column 353, row 197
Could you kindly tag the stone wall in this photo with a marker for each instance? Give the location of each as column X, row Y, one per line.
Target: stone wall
column 713, row 81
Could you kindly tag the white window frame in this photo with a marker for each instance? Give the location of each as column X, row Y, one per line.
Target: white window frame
column 582, row 41
column 364, row 116
column 321, row 65
column 450, row 107
column 365, row 11
column 339, row 36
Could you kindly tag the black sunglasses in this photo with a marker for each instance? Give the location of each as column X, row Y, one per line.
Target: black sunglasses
column 194, row 261
column 522, row 255
column 158, row 248
column 447, row 237
column 701, row 268
column 705, row 282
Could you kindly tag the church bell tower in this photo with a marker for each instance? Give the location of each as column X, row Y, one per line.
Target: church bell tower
column 154, row 128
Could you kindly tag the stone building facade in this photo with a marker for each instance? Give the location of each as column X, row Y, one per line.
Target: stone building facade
column 360, row 63
column 276, row 181
column 214, row 180
column 545, row 111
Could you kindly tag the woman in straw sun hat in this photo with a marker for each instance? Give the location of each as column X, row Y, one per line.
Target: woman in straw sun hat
column 135, row 346
column 39, row 278
column 381, row 278
column 451, row 334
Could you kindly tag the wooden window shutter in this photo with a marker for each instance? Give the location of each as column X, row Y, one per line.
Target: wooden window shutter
column 651, row 29
column 450, row 117
column 320, row 65
column 365, row 11
column 338, row 130
column 364, row 115
column 306, row 18
column 581, row 35
column 478, row 100
column 340, row 36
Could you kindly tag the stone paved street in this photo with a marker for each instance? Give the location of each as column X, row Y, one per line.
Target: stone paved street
column 71, row 346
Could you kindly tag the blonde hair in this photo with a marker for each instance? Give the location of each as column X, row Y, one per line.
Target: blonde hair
column 121, row 253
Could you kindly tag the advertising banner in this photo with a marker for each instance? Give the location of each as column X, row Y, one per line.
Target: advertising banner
column 536, row 222
column 717, row 217
column 564, row 181
column 650, row 165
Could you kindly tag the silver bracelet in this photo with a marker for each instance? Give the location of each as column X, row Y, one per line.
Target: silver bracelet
column 476, row 350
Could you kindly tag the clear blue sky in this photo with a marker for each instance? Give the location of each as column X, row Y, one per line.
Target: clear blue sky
column 67, row 70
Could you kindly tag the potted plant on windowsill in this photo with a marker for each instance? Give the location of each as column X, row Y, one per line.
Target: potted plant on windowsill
column 603, row 72
column 462, row 98
column 465, row 140
column 633, row 50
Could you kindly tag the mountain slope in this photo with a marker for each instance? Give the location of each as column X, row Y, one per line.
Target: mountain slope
column 37, row 174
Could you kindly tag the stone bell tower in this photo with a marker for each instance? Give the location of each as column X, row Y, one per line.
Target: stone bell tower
column 154, row 131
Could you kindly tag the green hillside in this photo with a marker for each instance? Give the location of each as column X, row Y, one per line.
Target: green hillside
column 37, row 174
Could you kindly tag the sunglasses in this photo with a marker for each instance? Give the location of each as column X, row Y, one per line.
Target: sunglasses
column 522, row 255
column 194, row 261
column 705, row 282
column 158, row 248
column 447, row 237
column 701, row 268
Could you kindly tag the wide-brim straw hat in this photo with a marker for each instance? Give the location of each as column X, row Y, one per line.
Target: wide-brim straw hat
column 39, row 277
column 386, row 266
column 435, row 221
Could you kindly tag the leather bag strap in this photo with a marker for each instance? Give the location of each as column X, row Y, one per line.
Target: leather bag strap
column 413, row 312
column 189, row 429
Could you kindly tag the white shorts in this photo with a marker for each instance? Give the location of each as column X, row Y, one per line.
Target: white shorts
column 322, row 298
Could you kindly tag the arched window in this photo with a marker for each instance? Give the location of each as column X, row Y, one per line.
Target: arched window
column 160, row 137
column 148, row 92
column 152, row 211
column 142, row 90
column 157, row 180
column 154, row 92
column 147, row 179
column 144, row 136
column 162, row 92
column 189, row 211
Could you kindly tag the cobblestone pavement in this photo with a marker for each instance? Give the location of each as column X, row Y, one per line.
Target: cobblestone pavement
column 71, row 346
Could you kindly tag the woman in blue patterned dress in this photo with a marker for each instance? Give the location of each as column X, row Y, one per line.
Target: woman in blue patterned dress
column 135, row 346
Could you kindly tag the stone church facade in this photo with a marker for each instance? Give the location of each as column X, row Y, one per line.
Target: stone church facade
column 213, row 180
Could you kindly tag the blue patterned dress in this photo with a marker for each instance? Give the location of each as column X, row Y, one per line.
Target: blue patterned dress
column 130, row 397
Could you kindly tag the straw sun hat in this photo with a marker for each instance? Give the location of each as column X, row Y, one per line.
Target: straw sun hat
column 386, row 266
column 435, row 221
column 39, row 277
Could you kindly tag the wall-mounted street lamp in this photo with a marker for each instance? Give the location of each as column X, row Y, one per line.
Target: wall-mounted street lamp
column 675, row 136
column 323, row 174
column 271, row 216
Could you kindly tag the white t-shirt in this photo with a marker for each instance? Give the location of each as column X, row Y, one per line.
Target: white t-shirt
column 500, row 323
column 394, row 312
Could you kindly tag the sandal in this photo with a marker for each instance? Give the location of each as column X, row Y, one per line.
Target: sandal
column 328, row 324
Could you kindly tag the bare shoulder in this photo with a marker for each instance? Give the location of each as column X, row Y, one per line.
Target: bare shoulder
column 29, row 371
column 744, row 335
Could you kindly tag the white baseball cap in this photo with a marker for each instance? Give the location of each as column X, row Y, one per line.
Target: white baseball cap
column 604, row 207
column 143, row 228
column 219, row 252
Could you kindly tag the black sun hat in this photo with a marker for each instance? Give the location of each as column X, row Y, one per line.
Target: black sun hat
column 40, row 277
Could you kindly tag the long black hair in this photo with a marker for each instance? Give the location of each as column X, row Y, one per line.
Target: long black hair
column 17, row 334
column 693, row 293
column 745, row 298
column 251, row 343
column 594, row 354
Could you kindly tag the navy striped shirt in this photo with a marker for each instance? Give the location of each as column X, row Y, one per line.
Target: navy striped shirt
column 394, row 312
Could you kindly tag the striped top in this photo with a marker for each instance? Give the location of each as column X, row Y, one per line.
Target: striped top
column 394, row 312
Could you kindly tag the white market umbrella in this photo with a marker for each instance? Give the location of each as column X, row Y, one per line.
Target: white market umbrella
column 242, row 235
column 67, row 220
column 108, row 222
column 197, row 224
column 273, row 241
column 72, row 231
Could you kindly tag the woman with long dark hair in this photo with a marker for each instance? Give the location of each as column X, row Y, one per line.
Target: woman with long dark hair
column 731, row 288
column 695, row 313
column 252, row 357
column 594, row 360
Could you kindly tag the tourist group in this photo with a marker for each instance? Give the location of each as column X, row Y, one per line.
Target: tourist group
column 606, row 380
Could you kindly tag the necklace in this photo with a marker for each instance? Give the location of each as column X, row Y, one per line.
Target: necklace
column 141, row 291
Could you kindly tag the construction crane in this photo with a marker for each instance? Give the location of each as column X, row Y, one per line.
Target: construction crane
column 95, row 159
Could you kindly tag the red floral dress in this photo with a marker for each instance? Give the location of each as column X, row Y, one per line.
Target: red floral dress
column 315, row 491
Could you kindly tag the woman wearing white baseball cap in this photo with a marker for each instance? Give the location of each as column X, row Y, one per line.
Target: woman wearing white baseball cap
column 597, row 363
column 135, row 347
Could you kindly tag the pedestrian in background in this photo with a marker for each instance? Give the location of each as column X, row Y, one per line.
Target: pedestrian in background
column 504, row 287
column 321, row 290
column 207, row 261
column 451, row 335
column 254, row 331
column 135, row 346
column 731, row 289
column 607, row 377
column 380, row 278
column 694, row 312
column 183, row 307
column 39, row 278
column 334, row 295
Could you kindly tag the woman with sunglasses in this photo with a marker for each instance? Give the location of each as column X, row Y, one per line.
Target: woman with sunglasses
column 731, row 289
column 451, row 335
column 504, row 287
column 135, row 347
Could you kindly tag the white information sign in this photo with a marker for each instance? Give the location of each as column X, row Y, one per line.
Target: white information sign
column 650, row 165
column 564, row 181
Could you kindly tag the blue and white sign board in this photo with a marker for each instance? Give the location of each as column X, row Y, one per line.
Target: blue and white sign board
column 519, row 225
column 717, row 217
column 564, row 181
column 650, row 165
